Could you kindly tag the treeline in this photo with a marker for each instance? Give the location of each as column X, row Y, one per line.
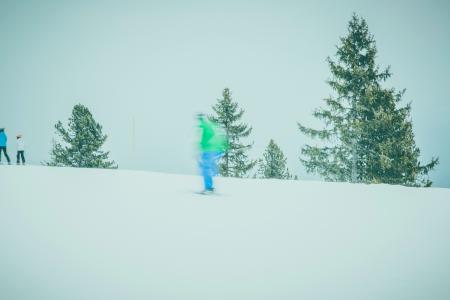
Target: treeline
column 367, row 135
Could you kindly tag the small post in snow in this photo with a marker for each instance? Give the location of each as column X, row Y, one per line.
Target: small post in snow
column 354, row 160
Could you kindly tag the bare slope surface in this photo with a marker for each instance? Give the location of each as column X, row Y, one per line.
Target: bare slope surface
column 109, row 234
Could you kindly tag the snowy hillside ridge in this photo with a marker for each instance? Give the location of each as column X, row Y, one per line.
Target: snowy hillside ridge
column 70, row 233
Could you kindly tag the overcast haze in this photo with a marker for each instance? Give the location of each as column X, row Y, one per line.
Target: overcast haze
column 160, row 62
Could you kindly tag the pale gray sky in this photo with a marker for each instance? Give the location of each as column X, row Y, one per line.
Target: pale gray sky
column 160, row 62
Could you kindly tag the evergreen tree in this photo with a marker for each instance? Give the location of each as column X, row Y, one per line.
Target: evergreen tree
column 82, row 141
column 273, row 163
column 367, row 136
column 235, row 162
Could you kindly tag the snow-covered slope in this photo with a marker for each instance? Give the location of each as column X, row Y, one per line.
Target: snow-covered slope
column 109, row 234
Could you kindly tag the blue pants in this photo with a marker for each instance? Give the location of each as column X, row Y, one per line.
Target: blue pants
column 3, row 148
column 208, row 166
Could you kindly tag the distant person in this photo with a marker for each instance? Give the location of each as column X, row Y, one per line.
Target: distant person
column 20, row 149
column 213, row 144
column 3, row 143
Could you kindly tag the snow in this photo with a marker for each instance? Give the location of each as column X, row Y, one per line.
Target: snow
column 114, row 234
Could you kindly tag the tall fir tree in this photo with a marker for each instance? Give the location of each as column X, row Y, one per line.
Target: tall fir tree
column 81, row 142
column 273, row 163
column 367, row 137
column 235, row 162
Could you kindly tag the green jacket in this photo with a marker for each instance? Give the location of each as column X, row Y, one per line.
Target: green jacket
column 213, row 138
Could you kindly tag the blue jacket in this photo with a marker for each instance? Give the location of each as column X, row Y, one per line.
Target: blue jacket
column 3, row 139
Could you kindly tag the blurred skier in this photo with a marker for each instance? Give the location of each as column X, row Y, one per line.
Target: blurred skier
column 20, row 149
column 213, row 144
column 3, row 143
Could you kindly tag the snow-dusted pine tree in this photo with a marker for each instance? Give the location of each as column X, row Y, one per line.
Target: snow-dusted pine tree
column 235, row 162
column 273, row 163
column 367, row 136
column 81, row 142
